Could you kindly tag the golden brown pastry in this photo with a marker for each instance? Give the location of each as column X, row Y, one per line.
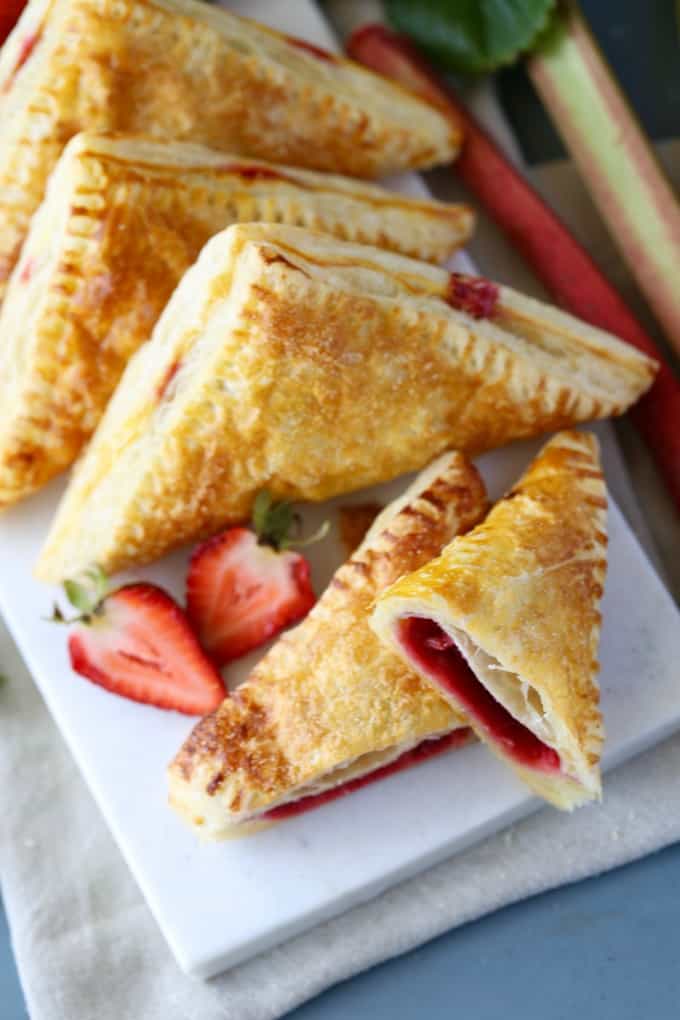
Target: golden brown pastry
column 185, row 70
column 291, row 361
column 123, row 219
column 328, row 704
column 506, row 622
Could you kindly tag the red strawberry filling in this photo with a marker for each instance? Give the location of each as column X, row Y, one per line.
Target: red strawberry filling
column 428, row 749
column 25, row 52
column 316, row 51
column 252, row 172
column 27, row 271
column 473, row 294
column 170, row 374
column 435, row 653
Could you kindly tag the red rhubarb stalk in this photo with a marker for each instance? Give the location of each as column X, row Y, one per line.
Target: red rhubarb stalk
column 614, row 158
column 557, row 259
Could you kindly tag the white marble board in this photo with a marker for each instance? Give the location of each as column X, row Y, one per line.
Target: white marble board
column 220, row 904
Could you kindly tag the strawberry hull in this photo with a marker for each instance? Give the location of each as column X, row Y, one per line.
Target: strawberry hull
column 536, row 232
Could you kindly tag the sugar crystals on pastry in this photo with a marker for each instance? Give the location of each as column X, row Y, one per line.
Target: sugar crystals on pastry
column 290, row 361
column 329, row 706
column 122, row 221
column 186, row 70
column 505, row 622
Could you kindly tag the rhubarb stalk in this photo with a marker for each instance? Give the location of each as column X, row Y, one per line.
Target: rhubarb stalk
column 614, row 158
column 557, row 259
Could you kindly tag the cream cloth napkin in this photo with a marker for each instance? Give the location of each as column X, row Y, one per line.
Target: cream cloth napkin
column 86, row 944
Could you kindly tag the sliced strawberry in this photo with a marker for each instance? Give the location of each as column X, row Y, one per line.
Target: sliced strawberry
column 240, row 592
column 138, row 643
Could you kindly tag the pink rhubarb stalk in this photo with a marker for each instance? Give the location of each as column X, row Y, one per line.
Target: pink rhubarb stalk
column 614, row 158
column 557, row 259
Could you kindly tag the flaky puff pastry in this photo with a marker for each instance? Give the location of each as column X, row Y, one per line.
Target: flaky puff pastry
column 518, row 598
column 185, row 70
column 292, row 361
column 122, row 221
column 329, row 703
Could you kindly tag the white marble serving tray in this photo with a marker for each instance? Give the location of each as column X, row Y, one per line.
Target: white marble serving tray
column 222, row 903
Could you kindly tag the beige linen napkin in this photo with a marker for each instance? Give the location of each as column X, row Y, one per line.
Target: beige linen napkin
column 87, row 946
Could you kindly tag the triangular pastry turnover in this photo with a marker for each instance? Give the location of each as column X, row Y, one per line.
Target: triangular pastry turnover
column 506, row 622
column 291, row 361
column 122, row 221
column 185, row 70
column 329, row 706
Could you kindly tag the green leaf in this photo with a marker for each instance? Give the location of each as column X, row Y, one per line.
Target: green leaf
column 88, row 591
column 3, row 679
column 79, row 596
column 471, row 35
column 57, row 615
column 274, row 524
column 98, row 580
column 272, row 521
column 263, row 501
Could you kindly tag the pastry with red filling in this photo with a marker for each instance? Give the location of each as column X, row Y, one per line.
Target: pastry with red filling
column 290, row 361
column 506, row 622
column 180, row 70
column 329, row 708
column 122, row 221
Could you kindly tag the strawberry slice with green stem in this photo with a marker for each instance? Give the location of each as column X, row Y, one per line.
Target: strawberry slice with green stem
column 245, row 586
column 136, row 642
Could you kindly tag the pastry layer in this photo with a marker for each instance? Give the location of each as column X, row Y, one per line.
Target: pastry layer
column 289, row 360
column 406, row 760
column 438, row 656
column 186, row 70
column 122, row 221
column 506, row 621
column 329, row 704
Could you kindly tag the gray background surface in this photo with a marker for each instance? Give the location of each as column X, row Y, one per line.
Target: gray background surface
column 604, row 948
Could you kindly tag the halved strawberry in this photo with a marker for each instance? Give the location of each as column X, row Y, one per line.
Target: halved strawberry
column 137, row 642
column 244, row 587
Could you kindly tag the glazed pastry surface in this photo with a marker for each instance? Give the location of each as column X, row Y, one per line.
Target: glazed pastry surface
column 185, row 70
column 328, row 702
column 291, row 361
column 122, row 221
column 520, row 595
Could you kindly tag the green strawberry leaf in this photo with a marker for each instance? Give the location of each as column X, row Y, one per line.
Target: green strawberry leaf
column 79, row 596
column 57, row 615
column 272, row 521
column 471, row 35
column 263, row 501
column 85, row 594
column 274, row 524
